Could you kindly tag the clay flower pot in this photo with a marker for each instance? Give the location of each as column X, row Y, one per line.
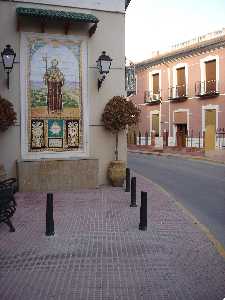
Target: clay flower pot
column 117, row 172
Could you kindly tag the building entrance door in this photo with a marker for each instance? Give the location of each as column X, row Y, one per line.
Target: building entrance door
column 210, row 129
column 181, row 135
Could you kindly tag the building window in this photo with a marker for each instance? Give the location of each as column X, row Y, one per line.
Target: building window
column 155, row 83
column 153, row 94
column 180, row 82
column 209, row 83
column 210, row 74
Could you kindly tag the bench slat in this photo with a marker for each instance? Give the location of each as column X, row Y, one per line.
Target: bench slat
column 7, row 202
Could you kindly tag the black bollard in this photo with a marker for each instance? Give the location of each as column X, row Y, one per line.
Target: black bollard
column 143, row 212
column 127, row 180
column 49, row 216
column 133, row 192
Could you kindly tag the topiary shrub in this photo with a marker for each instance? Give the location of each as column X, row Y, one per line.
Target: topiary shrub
column 7, row 114
column 118, row 114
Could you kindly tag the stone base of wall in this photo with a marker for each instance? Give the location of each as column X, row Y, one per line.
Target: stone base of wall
column 57, row 175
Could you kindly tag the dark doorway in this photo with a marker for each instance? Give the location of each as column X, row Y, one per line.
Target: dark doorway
column 181, row 135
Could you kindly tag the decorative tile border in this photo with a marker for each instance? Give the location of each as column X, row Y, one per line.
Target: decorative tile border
column 72, row 133
column 37, row 134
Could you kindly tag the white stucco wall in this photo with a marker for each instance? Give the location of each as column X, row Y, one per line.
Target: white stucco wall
column 109, row 36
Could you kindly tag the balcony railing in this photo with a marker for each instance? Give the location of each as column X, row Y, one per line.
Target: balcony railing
column 209, row 88
column 178, row 92
column 152, row 98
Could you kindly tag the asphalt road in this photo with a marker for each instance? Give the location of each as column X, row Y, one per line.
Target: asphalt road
column 198, row 185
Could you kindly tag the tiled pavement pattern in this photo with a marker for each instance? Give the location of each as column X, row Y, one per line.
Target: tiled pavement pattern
column 218, row 155
column 99, row 253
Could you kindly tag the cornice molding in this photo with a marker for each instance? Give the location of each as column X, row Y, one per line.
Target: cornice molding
column 174, row 56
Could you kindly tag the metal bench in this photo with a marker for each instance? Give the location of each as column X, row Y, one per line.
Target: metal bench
column 7, row 201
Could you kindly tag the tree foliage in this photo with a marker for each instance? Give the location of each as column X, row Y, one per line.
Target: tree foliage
column 118, row 113
column 7, row 114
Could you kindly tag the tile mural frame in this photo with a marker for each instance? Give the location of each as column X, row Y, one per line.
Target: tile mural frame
column 24, row 84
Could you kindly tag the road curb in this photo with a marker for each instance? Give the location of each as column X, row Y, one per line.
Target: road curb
column 178, row 155
column 217, row 245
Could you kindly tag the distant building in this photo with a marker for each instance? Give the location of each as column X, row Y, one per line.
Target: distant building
column 182, row 92
column 59, row 142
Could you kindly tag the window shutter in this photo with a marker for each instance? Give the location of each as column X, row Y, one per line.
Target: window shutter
column 181, row 76
column 210, row 73
column 156, row 83
column 181, row 84
column 180, row 117
column 210, row 69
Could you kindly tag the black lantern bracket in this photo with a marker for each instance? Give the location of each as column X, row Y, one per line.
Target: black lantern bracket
column 103, row 64
column 7, row 79
column 100, row 81
column 8, row 59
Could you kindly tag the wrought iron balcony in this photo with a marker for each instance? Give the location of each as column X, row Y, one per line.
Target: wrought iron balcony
column 178, row 92
column 152, row 98
column 209, row 88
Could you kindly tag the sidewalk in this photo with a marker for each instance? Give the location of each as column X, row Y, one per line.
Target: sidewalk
column 216, row 156
column 99, row 253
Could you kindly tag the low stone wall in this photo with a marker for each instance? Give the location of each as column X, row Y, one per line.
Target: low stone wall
column 57, row 175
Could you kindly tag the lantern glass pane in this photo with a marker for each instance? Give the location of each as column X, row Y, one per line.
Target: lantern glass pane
column 99, row 66
column 105, row 66
column 8, row 61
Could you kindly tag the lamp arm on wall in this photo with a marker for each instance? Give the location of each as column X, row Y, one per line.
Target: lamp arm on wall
column 7, row 80
column 100, row 81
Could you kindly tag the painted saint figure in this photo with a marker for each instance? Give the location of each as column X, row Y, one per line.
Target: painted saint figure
column 54, row 79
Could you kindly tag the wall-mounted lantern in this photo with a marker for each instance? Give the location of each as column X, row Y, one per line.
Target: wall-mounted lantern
column 8, row 59
column 103, row 65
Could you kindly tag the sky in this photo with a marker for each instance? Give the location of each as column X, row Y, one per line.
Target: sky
column 153, row 25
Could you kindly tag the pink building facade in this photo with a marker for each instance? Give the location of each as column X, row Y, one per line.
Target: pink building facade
column 182, row 93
